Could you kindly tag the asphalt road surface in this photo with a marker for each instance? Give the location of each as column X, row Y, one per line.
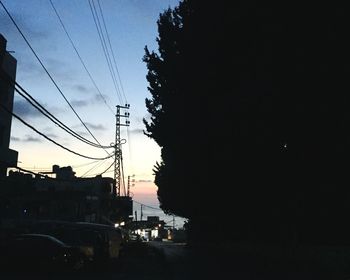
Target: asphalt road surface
column 176, row 261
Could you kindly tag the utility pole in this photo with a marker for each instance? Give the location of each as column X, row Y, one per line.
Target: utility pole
column 141, row 213
column 133, row 180
column 128, row 192
column 118, row 157
column 173, row 222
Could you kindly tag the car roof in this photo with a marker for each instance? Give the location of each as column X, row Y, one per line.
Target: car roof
column 43, row 236
column 94, row 225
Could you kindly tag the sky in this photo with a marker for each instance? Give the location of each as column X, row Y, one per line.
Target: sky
column 131, row 25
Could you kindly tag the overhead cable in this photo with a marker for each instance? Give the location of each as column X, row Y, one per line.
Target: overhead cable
column 105, row 49
column 147, row 205
column 106, row 170
column 92, row 168
column 48, row 73
column 51, row 117
column 84, row 164
column 80, row 58
column 49, row 139
column 112, row 52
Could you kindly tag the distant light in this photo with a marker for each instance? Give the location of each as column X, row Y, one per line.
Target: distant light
column 285, row 145
column 122, row 223
column 116, row 225
column 160, row 225
column 25, row 211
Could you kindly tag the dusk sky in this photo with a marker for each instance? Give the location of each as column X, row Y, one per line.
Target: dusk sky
column 131, row 25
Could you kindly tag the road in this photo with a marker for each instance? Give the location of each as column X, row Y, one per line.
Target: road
column 140, row 261
column 176, row 261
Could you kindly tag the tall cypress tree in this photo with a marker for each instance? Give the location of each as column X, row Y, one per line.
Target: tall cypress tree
column 248, row 109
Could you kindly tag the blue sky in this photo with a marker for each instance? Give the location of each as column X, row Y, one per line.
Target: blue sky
column 131, row 25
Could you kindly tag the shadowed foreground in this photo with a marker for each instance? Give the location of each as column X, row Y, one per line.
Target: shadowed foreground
column 167, row 260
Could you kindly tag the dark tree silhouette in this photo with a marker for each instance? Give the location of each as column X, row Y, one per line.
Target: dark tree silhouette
column 249, row 106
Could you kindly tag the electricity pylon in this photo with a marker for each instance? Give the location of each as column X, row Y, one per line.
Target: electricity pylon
column 118, row 155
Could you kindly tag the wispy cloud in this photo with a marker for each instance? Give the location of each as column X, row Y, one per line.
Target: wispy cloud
column 144, row 181
column 16, row 139
column 79, row 103
column 136, row 131
column 95, row 126
column 30, row 69
column 52, row 135
column 91, row 125
column 81, row 88
column 88, row 101
column 99, row 98
column 26, row 138
column 29, row 138
column 23, row 21
column 59, row 69
column 83, row 133
column 24, row 109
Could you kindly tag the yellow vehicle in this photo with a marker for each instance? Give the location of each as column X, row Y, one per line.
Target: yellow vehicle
column 99, row 242
column 108, row 239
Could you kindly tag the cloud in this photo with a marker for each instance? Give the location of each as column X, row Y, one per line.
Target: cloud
column 30, row 69
column 95, row 126
column 81, row 88
column 52, row 135
column 79, row 103
column 99, row 98
column 22, row 20
column 83, row 133
column 27, row 138
column 136, row 131
column 14, row 138
column 60, row 70
column 144, row 181
column 90, row 125
column 24, row 109
column 87, row 101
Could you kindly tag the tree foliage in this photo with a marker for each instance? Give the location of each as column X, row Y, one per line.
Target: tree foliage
column 249, row 108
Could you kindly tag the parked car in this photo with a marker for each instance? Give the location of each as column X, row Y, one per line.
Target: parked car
column 39, row 252
column 75, row 237
column 97, row 241
column 108, row 240
column 69, row 234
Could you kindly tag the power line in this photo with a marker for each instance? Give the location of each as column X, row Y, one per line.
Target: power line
column 48, row 138
column 51, row 117
column 112, row 52
column 104, row 47
column 147, row 205
column 47, row 72
column 80, row 58
column 84, row 164
column 105, row 171
column 107, row 53
column 154, row 208
column 92, row 168
column 109, row 167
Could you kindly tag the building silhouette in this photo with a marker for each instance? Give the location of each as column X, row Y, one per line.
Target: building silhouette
column 56, row 195
column 8, row 65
